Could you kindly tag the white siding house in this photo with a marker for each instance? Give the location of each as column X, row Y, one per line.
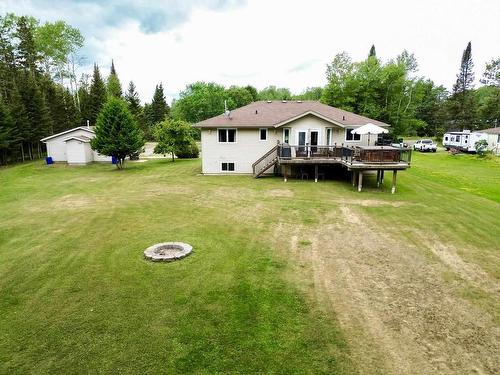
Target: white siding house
column 232, row 143
column 493, row 138
column 73, row 147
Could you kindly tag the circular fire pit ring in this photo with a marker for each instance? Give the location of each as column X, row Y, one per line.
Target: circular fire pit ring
column 167, row 251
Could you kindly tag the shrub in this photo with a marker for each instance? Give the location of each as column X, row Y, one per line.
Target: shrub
column 481, row 147
column 189, row 151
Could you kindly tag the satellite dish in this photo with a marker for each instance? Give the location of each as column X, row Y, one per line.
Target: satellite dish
column 227, row 112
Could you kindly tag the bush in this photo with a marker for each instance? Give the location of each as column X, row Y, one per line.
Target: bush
column 481, row 147
column 190, row 151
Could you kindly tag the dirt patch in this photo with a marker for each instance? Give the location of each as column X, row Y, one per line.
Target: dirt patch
column 74, row 202
column 371, row 202
column 233, row 193
column 398, row 313
column 277, row 193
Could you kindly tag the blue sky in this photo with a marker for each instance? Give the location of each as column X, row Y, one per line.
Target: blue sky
column 273, row 42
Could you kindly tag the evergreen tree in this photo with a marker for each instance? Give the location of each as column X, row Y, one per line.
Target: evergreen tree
column 117, row 133
column 27, row 53
column 463, row 105
column 134, row 105
column 85, row 103
column 114, row 86
column 38, row 114
column 159, row 107
column 372, row 52
column 97, row 95
column 8, row 135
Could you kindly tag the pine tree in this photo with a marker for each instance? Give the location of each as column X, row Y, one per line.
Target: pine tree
column 159, row 106
column 85, row 104
column 134, row 105
column 8, row 134
column 372, row 52
column 27, row 54
column 97, row 95
column 117, row 133
column 463, row 103
column 38, row 114
column 114, row 86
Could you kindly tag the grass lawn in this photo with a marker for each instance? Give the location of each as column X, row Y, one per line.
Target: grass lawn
column 76, row 295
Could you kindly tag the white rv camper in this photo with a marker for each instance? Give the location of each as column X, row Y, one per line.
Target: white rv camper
column 464, row 140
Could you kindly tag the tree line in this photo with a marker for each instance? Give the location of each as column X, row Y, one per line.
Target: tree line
column 391, row 92
column 40, row 93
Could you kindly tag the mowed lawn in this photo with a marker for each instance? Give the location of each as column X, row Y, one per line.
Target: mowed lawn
column 76, row 295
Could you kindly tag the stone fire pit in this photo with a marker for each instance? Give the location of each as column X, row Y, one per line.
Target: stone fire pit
column 167, row 251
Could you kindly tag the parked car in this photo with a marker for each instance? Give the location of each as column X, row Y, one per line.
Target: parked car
column 425, row 145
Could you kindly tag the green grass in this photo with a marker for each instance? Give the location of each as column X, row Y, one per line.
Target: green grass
column 76, row 295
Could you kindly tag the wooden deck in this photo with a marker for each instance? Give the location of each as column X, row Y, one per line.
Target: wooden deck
column 356, row 159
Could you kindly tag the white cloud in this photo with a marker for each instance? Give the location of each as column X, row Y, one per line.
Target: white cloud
column 283, row 43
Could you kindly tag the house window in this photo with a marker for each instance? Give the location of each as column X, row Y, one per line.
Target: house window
column 263, row 134
column 227, row 167
column 452, row 139
column 446, row 138
column 349, row 136
column 286, row 135
column 457, row 138
column 328, row 136
column 227, row 135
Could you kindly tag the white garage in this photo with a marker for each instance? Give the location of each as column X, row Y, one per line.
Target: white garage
column 73, row 147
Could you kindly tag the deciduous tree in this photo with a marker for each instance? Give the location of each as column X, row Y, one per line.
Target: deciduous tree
column 173, row 136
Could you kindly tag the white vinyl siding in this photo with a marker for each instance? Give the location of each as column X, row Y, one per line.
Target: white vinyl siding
column 248, row 147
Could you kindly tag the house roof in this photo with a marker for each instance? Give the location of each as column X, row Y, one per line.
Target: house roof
column 86, row 128
column 490, row 131
column 279, row 113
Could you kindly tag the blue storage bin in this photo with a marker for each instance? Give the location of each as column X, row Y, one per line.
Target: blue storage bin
column 49, row 160
column 113, row 160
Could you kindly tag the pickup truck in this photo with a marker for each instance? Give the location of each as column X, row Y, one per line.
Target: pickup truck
column 425, row 145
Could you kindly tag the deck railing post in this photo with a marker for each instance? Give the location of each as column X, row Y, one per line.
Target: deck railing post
column 394, row 174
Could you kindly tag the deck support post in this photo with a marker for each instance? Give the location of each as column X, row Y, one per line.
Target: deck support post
column 353, row 178
column 394, row 174
column 378, row 177
column 285, row 167
column 360, row 181
column 382, row 177
column 316, row 173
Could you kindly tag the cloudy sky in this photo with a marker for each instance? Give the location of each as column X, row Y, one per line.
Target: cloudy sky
column 269, row 42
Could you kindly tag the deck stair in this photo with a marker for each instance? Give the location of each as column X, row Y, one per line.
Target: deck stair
column 268, row 160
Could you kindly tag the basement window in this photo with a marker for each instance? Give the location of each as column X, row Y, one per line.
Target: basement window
column 263, row 134
column 227, row 167
column 227, row 135
column 350, row 136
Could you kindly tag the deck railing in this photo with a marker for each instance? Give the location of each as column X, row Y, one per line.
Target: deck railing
column 346, row 154
column 265, row 162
